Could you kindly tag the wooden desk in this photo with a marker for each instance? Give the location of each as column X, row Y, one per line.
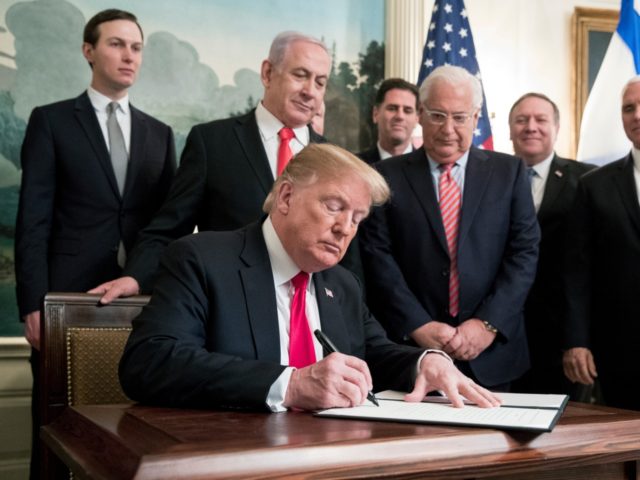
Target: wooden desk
column 118, row 442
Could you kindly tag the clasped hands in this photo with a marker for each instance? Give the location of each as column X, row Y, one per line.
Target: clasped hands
column 341, row 380
column 464, row 342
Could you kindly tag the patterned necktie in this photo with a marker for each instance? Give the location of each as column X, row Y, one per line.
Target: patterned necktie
column 301, row 350
column 117, row 147
column 284, row 150
column 450, row 209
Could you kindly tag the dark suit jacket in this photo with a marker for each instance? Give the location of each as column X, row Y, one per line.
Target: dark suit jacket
column 406, row 258
column 370, row 156
column 71, row 216
column 221, row 184
column 209, row 336
column 544, row 309
column 603, row 271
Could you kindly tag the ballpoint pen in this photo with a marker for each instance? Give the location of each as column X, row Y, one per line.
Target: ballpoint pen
column 331, row 348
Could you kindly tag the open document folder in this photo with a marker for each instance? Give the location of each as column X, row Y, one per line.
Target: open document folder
column 519, row 411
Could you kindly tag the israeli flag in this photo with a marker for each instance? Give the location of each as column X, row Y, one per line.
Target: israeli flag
column 602, row 137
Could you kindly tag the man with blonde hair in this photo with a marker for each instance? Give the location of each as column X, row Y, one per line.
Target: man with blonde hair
column 230, row 320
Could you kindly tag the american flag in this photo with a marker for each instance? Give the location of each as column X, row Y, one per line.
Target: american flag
column 449, row 42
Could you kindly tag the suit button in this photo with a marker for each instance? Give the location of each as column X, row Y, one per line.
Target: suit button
column 114, row 249
column 445, row 272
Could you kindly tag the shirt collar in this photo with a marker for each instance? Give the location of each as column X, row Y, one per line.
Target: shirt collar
column 542, row 168
column 384, row 154
column 635, row 154
column 282, row 266
column 269, row 126
column 100, row 101
column 461, row 162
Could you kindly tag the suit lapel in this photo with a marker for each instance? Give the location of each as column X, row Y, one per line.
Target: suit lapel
column 87, row 119
column 556, row 181
column 418, row 176
column 476, row 179
column 137, row 148
column 260, row 295
column 331, row 319
column 626, row 184
column 248, row 135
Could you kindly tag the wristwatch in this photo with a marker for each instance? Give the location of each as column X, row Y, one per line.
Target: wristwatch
column 490, row 327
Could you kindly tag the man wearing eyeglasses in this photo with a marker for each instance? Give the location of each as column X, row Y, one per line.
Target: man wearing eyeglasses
column 450, row 260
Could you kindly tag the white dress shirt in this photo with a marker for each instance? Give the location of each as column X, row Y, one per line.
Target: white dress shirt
column 284, row 269
column 384, row 154
column 269, row 127
column 635, row 153
column 123, row 115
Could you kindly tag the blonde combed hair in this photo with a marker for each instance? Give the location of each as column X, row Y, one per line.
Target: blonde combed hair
column 323, row 161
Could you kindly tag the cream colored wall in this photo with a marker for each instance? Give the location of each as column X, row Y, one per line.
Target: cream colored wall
column 522, row 45
column 15, row 413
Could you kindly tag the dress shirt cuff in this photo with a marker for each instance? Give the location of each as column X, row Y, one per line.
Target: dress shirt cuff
column 427, row 352
column 275, row 397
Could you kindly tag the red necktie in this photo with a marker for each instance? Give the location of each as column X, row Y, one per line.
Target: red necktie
column 284, row 150
column 450, row 210
column 301, row 350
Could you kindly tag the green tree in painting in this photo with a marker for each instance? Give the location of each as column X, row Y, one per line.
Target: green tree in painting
column 350, row 99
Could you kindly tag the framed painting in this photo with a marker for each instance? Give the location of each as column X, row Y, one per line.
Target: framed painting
column 591, row 31
column 201, row 62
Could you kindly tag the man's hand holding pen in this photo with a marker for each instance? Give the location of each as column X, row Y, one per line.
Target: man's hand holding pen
column 337, row 380
column 340, row 380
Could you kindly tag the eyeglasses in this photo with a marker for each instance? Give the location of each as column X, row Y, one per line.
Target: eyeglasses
column 440, row 118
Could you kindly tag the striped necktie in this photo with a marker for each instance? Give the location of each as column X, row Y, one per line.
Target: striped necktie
column 450, row 209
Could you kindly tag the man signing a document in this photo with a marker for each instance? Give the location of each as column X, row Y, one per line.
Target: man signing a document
column 230, row 320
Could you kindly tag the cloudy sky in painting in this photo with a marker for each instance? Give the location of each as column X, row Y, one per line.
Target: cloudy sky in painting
column 233, row 34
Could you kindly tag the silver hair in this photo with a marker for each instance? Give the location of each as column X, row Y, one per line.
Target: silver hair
column 453, row 76
column 284, row 39
column 631, row 81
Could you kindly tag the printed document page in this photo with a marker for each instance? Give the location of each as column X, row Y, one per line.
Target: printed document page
column 535, row 419
column 529, row 400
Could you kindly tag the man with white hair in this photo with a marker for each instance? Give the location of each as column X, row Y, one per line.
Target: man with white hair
column 603, row 271
column 450, row 260
column 228, row 166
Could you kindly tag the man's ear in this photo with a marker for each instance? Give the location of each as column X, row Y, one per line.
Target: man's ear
column 283, row 197
column 266, row 70
column 87, row 52
column 374, row 114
